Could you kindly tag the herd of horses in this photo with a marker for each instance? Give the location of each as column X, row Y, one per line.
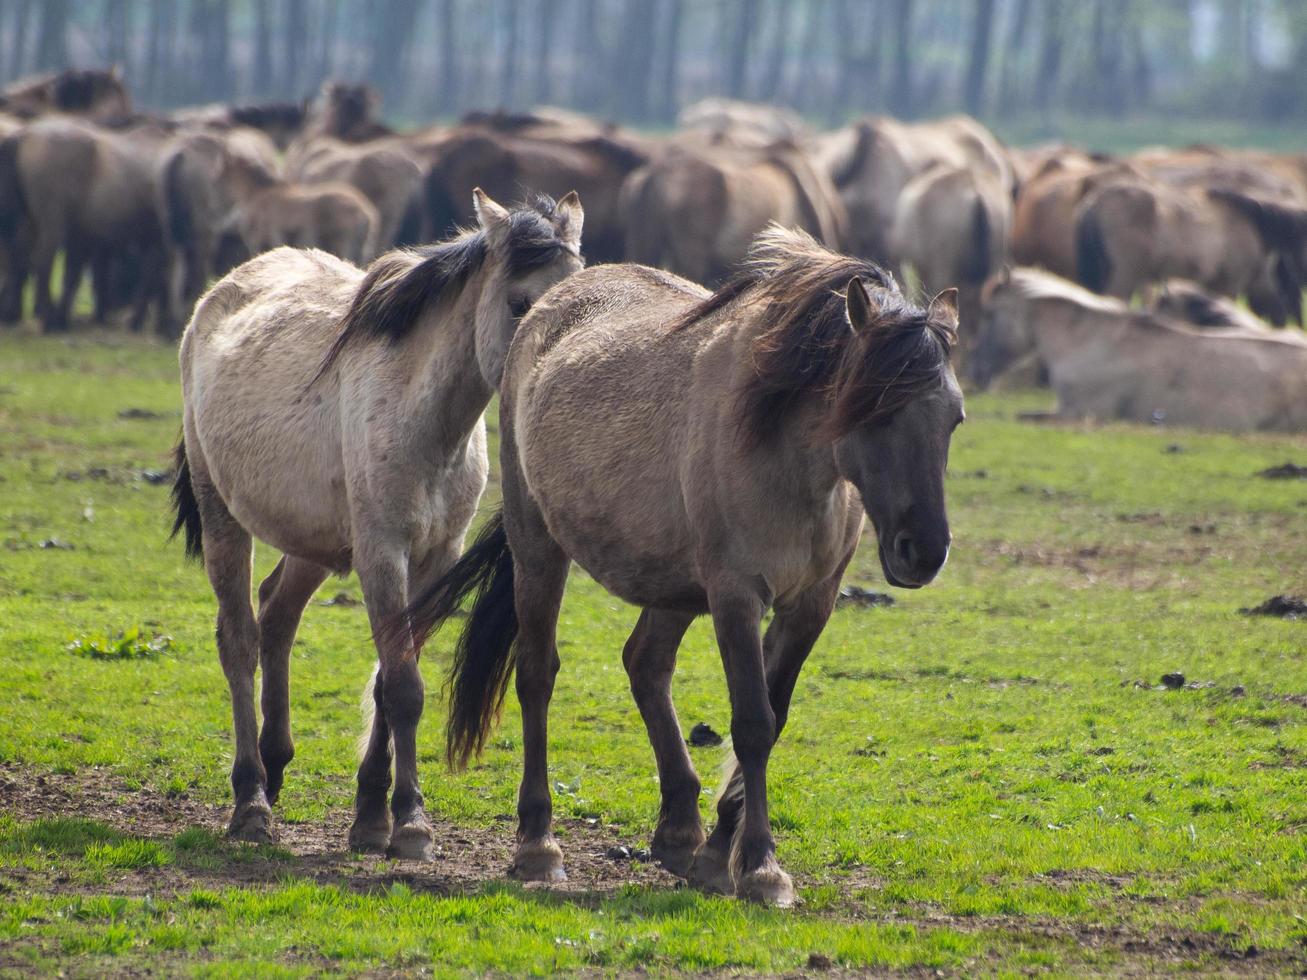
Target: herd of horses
column 701, row 412
column 157, row 205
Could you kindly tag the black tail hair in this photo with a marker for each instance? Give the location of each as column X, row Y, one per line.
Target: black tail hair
column 442, row 216
column 485, row 654
column 180, row 223
column 185, row 504
column 976, row 266
column 13, row 204
column 1093, row 264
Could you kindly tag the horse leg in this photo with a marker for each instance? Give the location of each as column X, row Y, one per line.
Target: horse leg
column 282, row 598
column 383, row 574
column 370, row 830
column 228, row 552
column 42, row 269
column 74, row 262
column 539, row 576
column 650, row 659
column 790, row 638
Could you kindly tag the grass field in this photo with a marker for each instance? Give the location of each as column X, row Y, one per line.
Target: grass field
column 987, row 777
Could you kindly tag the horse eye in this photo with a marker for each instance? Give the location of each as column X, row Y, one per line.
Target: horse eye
column 519, row 307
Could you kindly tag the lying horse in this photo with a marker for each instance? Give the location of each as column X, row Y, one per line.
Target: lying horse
column 701, row 453
column 337, row 416
column 1108, row 361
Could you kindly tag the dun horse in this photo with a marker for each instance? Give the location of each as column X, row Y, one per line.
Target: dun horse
column 696, row 454
column 337, row 416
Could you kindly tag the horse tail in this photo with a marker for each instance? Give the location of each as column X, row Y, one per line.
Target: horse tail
column 180, row 222
column 1280, row 226
column 485, row 654
column 413, row 224
column 184, row 504
column 442, row 215
column 976, row 264
column 1093, row 264
column 13, row 205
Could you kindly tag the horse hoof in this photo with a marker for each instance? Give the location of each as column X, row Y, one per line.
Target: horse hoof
column 540, row 860
column 370, row 836
column 709, row 872
column 767, row 885
column 252, row 823
column 674, row 849
column 412, row 841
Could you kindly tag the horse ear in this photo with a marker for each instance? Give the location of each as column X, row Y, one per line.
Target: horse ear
column 569, row 217
column 858, row 301
column 116, row 72
column 489, row 214
column 945, row 307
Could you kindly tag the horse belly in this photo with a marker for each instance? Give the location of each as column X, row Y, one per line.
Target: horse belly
column 615, row 506
column 276, row 462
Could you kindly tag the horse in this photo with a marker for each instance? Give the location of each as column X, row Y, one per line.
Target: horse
column 1136, row 230
column 348, row 112
column 872, row 160
column 1108, row 361
column 952, row 227
column 700, row 453
column 695, row 210
column 744, row 123
column 385, row 171
column 89, row 191
column 558, row 157
column 281, row 122
column 337, row 416
column 97, row 93
column 1043, row 216
column 273, row 211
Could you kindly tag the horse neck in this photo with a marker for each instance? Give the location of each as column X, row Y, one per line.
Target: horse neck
column 446, row 388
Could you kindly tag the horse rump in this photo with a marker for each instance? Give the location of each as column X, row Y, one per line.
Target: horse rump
column 485, row 654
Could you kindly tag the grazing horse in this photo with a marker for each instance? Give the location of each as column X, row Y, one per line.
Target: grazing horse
column 701, row 453
column 695, row 210
column 337, row 416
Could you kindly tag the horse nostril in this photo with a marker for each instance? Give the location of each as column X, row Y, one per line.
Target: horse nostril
column 904, row 547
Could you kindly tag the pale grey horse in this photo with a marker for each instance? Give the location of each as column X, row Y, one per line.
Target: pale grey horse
column 336, row 415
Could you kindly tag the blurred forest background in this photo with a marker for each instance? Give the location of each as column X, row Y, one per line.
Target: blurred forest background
column 1029, row 68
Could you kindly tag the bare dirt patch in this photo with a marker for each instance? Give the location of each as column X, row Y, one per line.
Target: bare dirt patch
column 470, row 857
column 466, row 857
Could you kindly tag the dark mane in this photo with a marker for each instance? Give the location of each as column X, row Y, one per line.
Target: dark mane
column 807, row 346
column 400, row 284
column 264, row 114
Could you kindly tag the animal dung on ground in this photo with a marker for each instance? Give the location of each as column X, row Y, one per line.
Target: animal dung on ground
column 1283, row 606
column 1173, row 681
column 340, row 599
column 1285, row 471
column 702, row 734
column 856, row 595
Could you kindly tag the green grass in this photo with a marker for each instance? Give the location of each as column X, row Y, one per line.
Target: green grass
column 974, row 780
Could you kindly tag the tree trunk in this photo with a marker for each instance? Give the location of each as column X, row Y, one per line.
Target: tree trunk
column 115, row 18
column 1018, row 32
column 773, row 68
column 1050, row 54
column 509, row 55
column 547, row 19
column 448, row 95
column 327, row 42
column 294, row 42
column 52, row 36
column 901, row 100
column 18, row 54
column 671, row 61
column 740, row 29
column 973, row 95
column 263, row 49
